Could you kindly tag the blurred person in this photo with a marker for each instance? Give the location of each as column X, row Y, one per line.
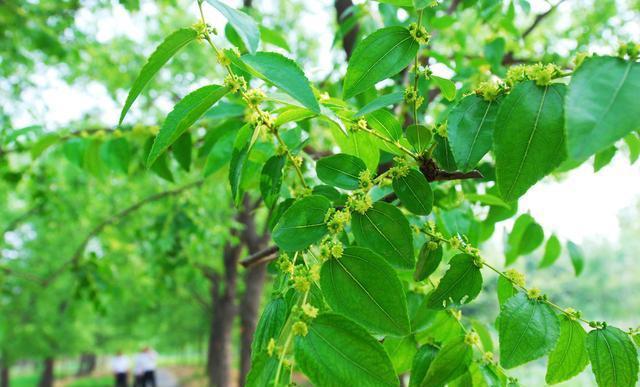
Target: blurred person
column 145, row 368
column 138, row 370
column 120, row 368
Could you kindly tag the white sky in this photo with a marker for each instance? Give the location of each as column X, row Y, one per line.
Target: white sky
column 582, row 206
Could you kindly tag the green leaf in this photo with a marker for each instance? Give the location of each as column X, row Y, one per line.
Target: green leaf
column 470, row 128
column 271, row 180
column 528, row 329
column 362, row 286
column 264, row 369
column 421, row 363
column 531, row 239
column 284, row 74
column 302, row 224
column 384, row 229
column 386, row 124
column 603, row 158
column 460, row 284
column 419, row 136
column 272, row 320
column 443, row 154
column 601, row 104
column 446, row 86
column 526, row 235
column 570, row 356
column 414, row 192
column 172, row 44
column 401, row 350
column 529, row 137
column 182, row 150
column 293, row 114
column 340, row 170
column 184, row 114
column 614, row 359
column 220, row 153
column 239, row 157
column 161, row 166
column 116, row 153
column 362, row 145
column 339, row 352
column 428, row 261
column 42, row 144
column 633, row 144
column 244, row 25
column 379, row 103
column 450, row 362
column 421, row 4
column 398, row 3
column 552, row 252
column 486, row 199
column 274, row 37
column 505, row 290
column 380, row 55
column 577, row 258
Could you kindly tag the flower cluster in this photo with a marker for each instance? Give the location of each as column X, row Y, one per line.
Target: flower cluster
column 337, row 219
column 490, row 90
column 254, row 97
column 359, row 202
column 419, row 33
column 235, row 83
column 411, row 96
column 540, row 73
column 516, row 277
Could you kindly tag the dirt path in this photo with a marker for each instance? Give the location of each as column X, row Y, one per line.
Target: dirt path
column 165, row 378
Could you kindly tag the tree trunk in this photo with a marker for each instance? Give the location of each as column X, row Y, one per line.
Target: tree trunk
column 224, row 311
column 254, row 279
column 87, row 364
column 4, row 375
column 349, row 39
column 46, row 378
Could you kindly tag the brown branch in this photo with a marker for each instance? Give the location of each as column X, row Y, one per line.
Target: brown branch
column 264, row 255
column 539, row 18
column 77, row 255
column 453, row 6
column 348, row 39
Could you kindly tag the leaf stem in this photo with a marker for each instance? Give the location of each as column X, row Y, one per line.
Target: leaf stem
column 246, row 99
column 389, row 141
column 416, row 74
column 464, row 249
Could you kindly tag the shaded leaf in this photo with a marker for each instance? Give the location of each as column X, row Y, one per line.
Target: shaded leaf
column 242, row 23
column 569, row 357
column 470, row 130
column 339, row 352
column 614, row 359
column 184, row 114
column 380, row 55
column 340, row 170
column 362, row 286
column 528, row 329
column 529, row 137
column 172, row 44
column 414, row 192
column 285, row 74
column 602, row 104
column 302, row 224
column 385, row 230
column 460, row 284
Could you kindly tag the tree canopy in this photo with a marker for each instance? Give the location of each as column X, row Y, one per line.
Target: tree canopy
column 363, row 175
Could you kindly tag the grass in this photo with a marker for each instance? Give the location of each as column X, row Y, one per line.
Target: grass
column 27, row 380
